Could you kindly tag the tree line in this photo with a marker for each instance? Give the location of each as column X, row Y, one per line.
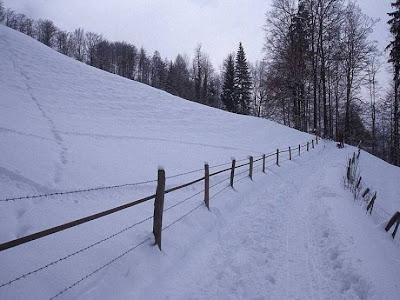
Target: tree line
column 194, row 80
column 319, row 73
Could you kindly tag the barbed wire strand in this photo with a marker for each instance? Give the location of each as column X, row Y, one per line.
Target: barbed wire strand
column 99, row 269
column 73, row 254
column 380, row 207
column 186, row 173
column 194, row 195
column 183, row 201
column 219, row 192
column 77, row 191
column 195, row 208
column 188, row 213
column 219, row 182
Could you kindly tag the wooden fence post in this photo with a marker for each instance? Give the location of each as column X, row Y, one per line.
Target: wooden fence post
column 207, row 186
column 251, row 168
column 348, row 170
column 308, row 146
column 312, row 143
column 277, row 157
column 159, row 207
column 263, row 166
column 358, row 182
column 395, row 218
column 299, row 149
column 371, row 203
column 290, row 153
column 365, row 193
column 233, row 171
column 395, row 229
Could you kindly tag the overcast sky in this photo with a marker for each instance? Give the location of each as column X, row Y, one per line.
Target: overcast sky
column 177, row 26
column 170, row 27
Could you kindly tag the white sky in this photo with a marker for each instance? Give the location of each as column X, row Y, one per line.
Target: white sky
column 170, row 27
column 177, row 26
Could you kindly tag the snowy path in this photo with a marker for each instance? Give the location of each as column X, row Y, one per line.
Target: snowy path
column 283, row 241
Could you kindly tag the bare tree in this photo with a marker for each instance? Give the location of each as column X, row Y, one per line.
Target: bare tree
column 92, row 41
column 78, row 41
column 62, row 42
column 46, row 32
column 374, row 66
column 355, row 50
column 260, row 87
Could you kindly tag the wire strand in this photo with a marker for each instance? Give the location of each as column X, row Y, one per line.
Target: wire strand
column 73, row 254
column 188, row 213
column 183, row 201
column 78, row 191
column 99, row 269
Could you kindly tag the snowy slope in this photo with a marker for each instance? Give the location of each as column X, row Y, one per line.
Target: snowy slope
column 383, row 178
column 291, row 233
column 65, row 125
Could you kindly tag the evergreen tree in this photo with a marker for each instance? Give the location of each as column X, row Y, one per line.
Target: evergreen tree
column 394, row 47
column 228, row 89
column 242, row 82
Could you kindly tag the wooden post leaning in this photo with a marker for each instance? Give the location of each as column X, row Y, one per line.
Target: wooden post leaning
column 394, row 219
column 290, row 153
column 371, row 203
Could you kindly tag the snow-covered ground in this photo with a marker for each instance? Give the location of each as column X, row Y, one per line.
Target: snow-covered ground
column 293, row 232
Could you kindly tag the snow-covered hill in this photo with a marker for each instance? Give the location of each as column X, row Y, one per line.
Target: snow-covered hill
column 291, row 233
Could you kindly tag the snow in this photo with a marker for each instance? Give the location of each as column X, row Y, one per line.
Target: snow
column 292, row 233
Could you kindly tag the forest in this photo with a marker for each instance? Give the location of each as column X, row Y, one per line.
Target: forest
column 319, row 72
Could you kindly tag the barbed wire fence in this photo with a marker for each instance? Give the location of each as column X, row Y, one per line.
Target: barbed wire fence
column 265, row 162
column 367, row 198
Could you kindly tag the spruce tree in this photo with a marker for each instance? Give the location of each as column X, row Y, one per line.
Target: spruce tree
column 228, row 89
column 394, row 47
column 243, row 82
